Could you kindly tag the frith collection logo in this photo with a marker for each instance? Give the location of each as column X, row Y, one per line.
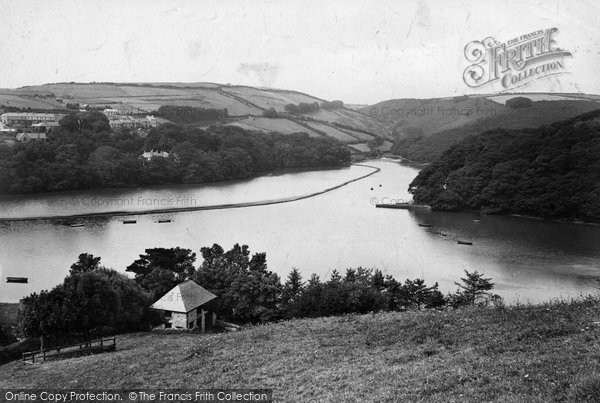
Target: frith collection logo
column 514, row 63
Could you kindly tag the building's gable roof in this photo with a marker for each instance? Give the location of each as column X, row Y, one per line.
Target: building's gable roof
column 184, row 297
column 31, row 136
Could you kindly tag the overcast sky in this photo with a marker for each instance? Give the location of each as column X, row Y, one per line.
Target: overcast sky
column 357, row 51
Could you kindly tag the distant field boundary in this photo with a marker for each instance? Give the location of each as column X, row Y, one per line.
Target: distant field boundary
column 198, row 208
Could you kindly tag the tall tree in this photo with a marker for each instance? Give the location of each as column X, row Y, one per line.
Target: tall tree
column 86, row 262
column 474, row 286
column 292, row 287
column 160, row 269
column 247, row 290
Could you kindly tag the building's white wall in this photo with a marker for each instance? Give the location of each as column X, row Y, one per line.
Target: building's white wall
column 179, row 320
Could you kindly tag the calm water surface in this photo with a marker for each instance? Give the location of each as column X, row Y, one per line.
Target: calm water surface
column 530, row 260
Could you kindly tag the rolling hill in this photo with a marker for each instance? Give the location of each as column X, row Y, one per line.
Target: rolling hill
column 551, row 172
column 425, row 148
column 421, row 128
column 428, row 116
column 244, row 104
column 409, row 116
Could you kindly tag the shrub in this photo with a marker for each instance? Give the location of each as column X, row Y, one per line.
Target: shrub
column 15, row 351
column 270, row 113
column 519, row 102
column 6, row 336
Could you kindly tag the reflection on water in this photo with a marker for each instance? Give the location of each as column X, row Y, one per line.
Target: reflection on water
column 528, row 259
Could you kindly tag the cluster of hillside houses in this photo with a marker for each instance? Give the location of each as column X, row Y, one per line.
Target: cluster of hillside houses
column 34, row 126
column 119, row 121
column 28, row 126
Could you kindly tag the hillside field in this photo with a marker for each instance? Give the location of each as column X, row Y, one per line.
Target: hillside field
column 280, row 125
column 520, row 353
column 245, row 105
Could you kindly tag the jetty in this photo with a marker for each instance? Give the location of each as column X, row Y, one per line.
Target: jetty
column 404, row 206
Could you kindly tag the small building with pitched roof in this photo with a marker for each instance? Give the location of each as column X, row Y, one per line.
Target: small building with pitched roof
column 184, row 305
column 31, row 137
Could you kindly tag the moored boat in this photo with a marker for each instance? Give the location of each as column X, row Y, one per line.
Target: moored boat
column 22, row 280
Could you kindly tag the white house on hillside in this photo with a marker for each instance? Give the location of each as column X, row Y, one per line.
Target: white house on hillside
column 149, row 154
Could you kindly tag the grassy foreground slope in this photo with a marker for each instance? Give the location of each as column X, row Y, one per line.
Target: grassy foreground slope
column 522, row 353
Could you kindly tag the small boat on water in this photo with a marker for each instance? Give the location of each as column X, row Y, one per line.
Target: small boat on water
column 404, row 206
column 77, row 225
column 441, row 233
column 464, row 242
column 20, row 280
column 424, row 225
column 164, row 221
column 129, row 221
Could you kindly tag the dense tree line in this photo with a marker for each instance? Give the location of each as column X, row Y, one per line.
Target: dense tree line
column 551, row 172
column 332, row 105
column 8, row 109
column 426, row 147
column 93, row 300
column 84, row 153
column 248, row 292
column 191, row 114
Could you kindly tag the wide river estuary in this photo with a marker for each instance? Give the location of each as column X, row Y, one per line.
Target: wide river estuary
column 529, row 260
